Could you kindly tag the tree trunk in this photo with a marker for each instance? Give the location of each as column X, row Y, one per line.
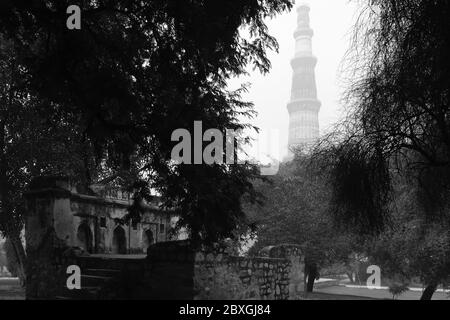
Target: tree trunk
column 312, row 274
column 350, row 277
column 20, row 256
column 428, row 292
column 310, row 283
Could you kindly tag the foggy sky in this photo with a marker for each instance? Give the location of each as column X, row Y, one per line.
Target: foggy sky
column 332, row 22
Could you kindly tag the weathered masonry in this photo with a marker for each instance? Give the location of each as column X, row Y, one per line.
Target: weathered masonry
column 304, row 106
column 176, row 271
column 67, row 227
column 92, row 221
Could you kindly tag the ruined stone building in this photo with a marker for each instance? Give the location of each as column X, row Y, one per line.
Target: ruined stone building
column 93, row 220
column 62, row 218
column 304, row 106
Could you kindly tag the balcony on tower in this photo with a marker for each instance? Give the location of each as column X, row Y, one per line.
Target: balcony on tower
column 304, row 33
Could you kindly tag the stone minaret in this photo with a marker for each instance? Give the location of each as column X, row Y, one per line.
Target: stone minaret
column 304, row 106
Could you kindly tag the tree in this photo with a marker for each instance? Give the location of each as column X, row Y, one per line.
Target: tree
column 138, row 70
column 33, row 142
column 412, row 247
column 3, row 260
column 398, row 117
column 295, row 210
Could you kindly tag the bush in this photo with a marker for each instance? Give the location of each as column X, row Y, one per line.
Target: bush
column 398, row 289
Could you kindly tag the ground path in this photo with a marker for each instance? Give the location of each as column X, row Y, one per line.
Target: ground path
column 376, row 293
column 11, row 290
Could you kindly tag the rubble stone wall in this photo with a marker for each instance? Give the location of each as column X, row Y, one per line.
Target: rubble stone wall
column 174, row 270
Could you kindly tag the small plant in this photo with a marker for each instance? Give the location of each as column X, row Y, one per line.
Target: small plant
column 397, row 290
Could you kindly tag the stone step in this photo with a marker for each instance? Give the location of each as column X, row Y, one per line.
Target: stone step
column 101, row 272
column 96, row 271
column 87, row 262
column 85, row 293
column 93, row 281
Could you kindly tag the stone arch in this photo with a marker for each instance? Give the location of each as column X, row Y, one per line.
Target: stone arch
column 119, row 243
column 84, row 237
column 149, row 238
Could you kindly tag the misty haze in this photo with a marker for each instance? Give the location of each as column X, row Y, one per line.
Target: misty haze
column 231, row 150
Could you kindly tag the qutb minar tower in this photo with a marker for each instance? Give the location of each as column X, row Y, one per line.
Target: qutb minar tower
column 304, row 106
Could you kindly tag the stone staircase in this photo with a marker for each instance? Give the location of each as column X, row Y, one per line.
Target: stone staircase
column 98, row 274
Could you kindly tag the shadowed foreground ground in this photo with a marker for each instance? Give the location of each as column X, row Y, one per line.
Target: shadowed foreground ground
column 11, row 290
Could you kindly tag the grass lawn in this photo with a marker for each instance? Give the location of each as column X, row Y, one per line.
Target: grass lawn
column 10, row 289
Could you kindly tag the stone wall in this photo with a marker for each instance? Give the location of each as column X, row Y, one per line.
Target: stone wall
column 47, row 262
column 171, row 270
column 175, row 271
column 241, row 278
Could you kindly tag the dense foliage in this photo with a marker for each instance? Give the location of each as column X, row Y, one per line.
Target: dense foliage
column 397, row 128
column 296, row 211
column 135, row 72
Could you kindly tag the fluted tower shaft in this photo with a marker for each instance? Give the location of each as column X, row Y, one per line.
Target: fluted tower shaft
column 304, row 106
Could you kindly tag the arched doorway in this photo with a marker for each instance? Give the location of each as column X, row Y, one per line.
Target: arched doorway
column 149, row 239
column 84, row 236
column 119, row 241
